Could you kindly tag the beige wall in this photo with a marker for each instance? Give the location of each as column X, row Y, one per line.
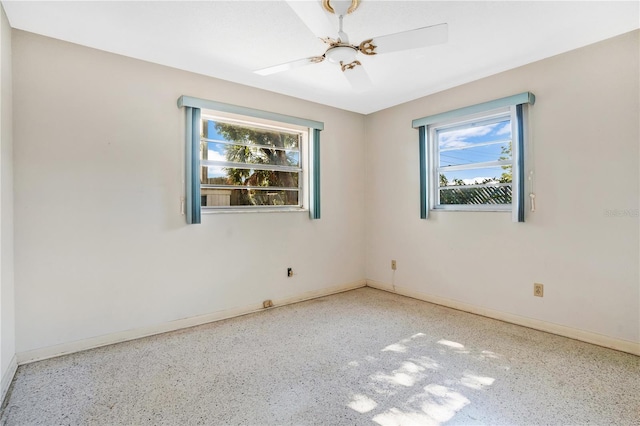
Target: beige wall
column 101, row 246
column 7, row 312
column 584, row 153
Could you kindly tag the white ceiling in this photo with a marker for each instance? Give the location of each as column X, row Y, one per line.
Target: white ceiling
column 231, row 39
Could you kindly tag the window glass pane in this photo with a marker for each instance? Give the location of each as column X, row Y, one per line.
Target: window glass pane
column 475, row 143
column 490, row 185
column 470, row 160
column 246, row 134
column 230, row 197
column 499, row 174
column 258, row 147
column 485, row 194
column 247, row 177
column 219, row 151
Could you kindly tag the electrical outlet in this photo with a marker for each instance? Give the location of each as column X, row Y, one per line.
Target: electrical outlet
column 393, row 265
column 289, row 272
column 538, row 289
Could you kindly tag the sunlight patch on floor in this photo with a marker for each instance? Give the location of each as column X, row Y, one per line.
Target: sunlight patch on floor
column 407, row 375
column 489, row 354
column 395, row 417
column 411, row 367
column 426, row 362
column 443, row 403
column 396, row 347
column 401, row 346
column 438, row 404
column 451, row 344
column 423, row 403
column 476, row 382
column 362, row 403
column 401, row 379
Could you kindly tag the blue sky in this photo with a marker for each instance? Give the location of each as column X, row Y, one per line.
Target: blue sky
column 216, row 151
column 472, row 145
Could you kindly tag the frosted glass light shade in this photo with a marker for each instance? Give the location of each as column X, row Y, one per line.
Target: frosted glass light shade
column 345, row 54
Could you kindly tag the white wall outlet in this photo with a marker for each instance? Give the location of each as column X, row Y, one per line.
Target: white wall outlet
column 538, row 289
column 393, row 265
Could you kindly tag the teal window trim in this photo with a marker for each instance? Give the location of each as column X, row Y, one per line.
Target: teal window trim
column 192, row 169
column 314, row 184
column 519, row 99
column 193, row 108
column 188, row 101
column 519, row 160
column 424, row 176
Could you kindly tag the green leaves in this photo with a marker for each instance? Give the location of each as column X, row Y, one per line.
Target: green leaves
column 259, row 146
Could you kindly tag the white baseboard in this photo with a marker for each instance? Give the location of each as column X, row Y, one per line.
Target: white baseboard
column 7, row 378
column 123, row 336
column 561, row 330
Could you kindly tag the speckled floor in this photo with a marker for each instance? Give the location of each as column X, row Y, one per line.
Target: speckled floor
column 360, row 357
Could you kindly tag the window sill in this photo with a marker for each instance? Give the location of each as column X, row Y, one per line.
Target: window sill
column 462, row 209
column 251, row 210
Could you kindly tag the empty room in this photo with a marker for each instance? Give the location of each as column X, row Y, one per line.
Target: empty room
column 320, row 212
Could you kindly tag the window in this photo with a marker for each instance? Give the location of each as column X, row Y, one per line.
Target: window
column 247, row 164
column 472, row 162
column 472, row 158
column 245, row 159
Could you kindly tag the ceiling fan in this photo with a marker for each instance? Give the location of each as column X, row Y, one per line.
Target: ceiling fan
column 345, row 54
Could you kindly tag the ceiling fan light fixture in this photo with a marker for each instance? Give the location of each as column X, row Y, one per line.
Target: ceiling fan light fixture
column 338, row 54
column 340, row 7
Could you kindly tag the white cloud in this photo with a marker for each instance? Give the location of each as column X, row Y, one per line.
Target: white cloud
column 454, row 143
column 476, row 180
column 505, row 129
column 458, row 138
column 215, row 171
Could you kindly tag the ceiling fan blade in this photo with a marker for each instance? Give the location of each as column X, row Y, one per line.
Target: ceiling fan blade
column 314, row 17
column 290, row 65
column 412, row 39
column 358, row 78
